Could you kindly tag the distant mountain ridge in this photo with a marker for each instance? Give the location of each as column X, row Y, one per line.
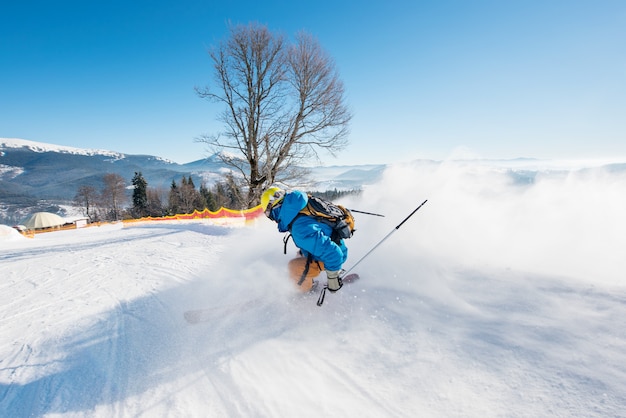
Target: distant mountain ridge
column 33, row 171
column 44, row 147
column 46, row 171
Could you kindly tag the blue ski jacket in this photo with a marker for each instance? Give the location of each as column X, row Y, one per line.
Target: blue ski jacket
column 310, row 235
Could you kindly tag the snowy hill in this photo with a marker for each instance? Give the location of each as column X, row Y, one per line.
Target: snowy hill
column 53, row 172
column 40, row 147
column 498, row 298
column 49, row 171
column 31, row 172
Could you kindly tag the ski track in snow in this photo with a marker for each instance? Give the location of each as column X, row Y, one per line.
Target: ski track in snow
column 91, row 324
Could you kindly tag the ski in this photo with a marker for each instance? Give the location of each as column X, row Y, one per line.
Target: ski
column 350, row 278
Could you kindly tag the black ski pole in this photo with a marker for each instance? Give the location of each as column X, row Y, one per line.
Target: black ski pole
column 321, row 298
column 366, row 213
column 385, row 238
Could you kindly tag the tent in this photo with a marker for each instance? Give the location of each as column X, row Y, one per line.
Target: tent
column 40, row 220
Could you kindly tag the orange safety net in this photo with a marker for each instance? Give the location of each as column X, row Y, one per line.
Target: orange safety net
column 222, row 213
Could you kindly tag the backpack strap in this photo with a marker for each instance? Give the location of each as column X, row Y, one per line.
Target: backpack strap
column 309, row 258
column 286, row 240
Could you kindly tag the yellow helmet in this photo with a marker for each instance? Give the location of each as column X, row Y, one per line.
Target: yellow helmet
column 271, row 196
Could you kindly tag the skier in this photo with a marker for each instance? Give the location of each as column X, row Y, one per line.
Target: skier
column 311, row 236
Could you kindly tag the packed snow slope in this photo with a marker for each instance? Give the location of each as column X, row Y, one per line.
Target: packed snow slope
column 503, row 296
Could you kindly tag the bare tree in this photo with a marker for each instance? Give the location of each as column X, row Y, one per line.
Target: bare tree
column 86, row 197
column 156, row 206
column 184, row 198
column 284, row 102
column 113, row 195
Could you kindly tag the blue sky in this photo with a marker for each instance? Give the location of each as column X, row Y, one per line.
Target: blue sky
column 424, row 79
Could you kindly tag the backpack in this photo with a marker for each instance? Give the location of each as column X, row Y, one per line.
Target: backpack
column 337, row 216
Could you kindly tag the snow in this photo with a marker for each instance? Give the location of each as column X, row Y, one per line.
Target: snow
column 9, row 234
column 45, row 147
column 497, row 298
column 10, row 171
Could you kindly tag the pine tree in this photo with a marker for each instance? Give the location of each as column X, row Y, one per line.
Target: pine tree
column 209, row 198
column 174, row 199
column 140, row 197
column 185, row 198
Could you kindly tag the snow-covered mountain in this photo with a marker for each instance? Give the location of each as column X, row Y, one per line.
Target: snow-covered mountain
column 34, row 172
column 41, row 147
column 37, row 170
column 31, row 172
column 50, row 171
